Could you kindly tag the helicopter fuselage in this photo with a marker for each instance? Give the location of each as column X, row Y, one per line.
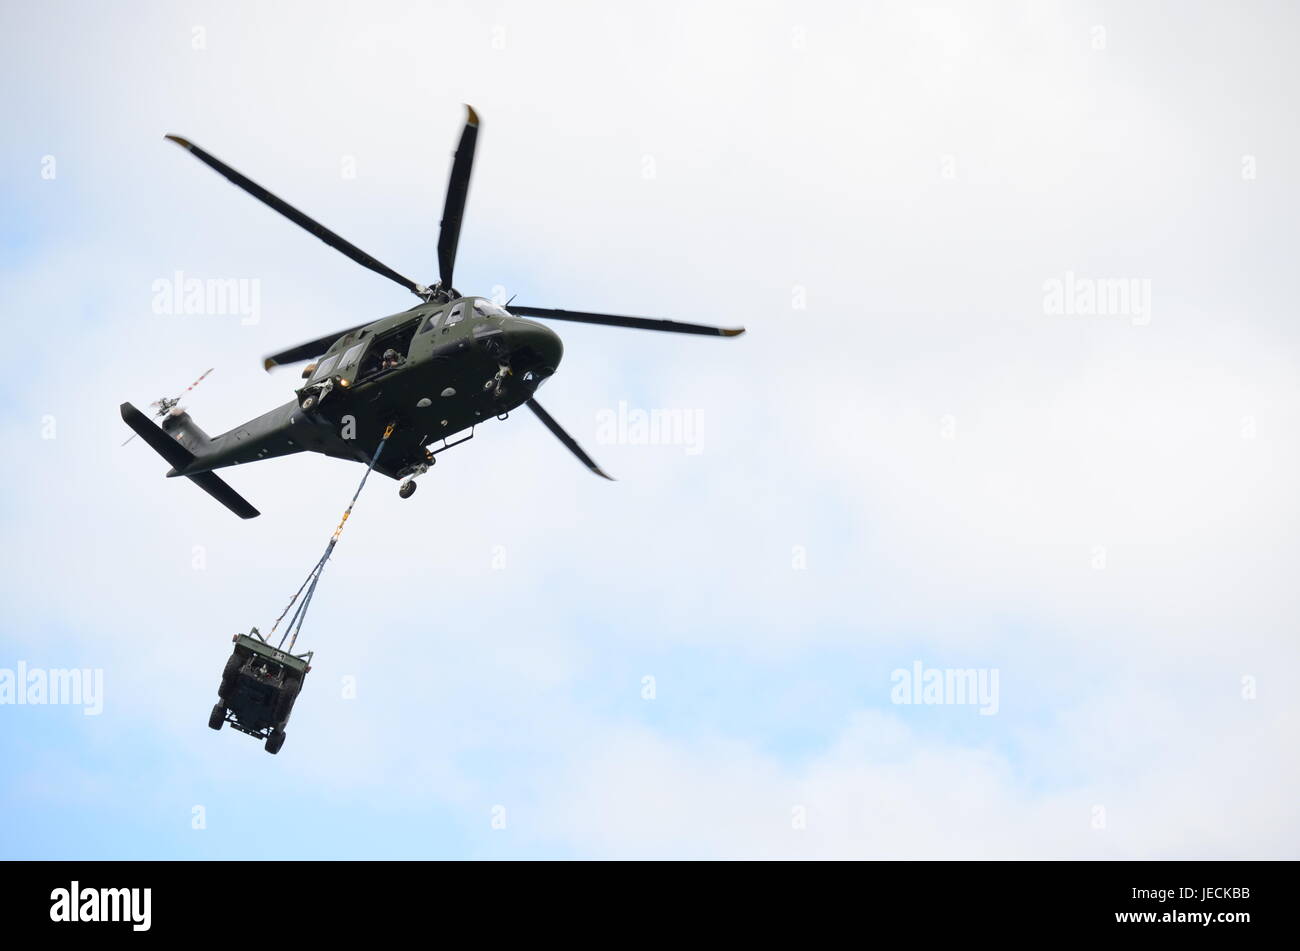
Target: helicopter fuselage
column 433, row 371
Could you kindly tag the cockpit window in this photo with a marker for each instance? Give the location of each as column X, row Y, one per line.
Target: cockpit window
column 456, row 313
column 325, row 367
column 485, row 308
column 353, row 354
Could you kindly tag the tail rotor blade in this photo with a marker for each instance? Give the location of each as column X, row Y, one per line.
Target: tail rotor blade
column 549, row 422
column 196, row 382
column 457, row 191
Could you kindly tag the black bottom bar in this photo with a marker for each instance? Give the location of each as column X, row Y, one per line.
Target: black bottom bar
column 971, row 900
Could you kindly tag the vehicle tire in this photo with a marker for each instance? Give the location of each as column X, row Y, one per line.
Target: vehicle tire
column 284, row 705
column 407, row 489
column 275, row 741
column 217, row 718
column 228, row 675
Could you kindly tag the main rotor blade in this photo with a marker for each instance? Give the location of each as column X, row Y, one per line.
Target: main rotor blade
column 565, row 438
column 294, row 215
column 305, row 351
column 457, row 190
column 616, row 320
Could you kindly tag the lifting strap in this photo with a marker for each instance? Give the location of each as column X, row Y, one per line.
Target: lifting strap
column 313, row 576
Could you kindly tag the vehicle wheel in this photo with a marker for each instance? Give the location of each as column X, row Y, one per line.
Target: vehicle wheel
column 309, row 402
column 228, row 675
column 275, row 740
column 217, row 718
column 407, row 489
column 285, row 704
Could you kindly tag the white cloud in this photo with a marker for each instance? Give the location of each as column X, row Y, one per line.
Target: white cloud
column 882, row 790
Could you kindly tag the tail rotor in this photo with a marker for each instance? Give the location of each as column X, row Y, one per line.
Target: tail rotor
column 166, row 404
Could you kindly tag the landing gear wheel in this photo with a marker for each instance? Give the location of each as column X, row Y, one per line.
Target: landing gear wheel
column 407, row 489
column 308, row 402
column 217, row 719
column 275, row 740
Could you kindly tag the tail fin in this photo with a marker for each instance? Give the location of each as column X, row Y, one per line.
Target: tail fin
column 185, row 431
column 180, row 457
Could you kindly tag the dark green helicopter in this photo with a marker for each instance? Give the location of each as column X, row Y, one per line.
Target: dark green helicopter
column 432, row 372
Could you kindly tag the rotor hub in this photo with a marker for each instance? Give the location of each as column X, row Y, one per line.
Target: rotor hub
column 437, row 294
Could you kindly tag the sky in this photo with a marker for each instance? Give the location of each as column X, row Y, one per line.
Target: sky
column 1017, row 398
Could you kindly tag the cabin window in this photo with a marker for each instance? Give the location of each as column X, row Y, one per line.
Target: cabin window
column 398, row 339
column 434, row 319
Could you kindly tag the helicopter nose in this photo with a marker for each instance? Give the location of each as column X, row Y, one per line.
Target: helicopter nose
column 533, row 347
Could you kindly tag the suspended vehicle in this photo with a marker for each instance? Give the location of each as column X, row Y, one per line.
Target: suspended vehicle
column 258, row 688
column 260, row 683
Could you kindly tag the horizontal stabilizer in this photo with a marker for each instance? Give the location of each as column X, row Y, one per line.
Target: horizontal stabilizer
column 216, row 487
column 180, row 457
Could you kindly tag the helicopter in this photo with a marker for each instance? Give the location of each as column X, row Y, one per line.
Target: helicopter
column 422, row 377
